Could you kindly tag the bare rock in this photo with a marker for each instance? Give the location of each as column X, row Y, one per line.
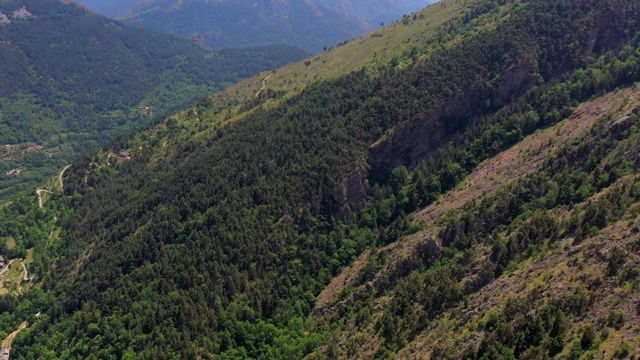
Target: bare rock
column 619, row 127
column 420, row 137
column 353, row 188
column 4, row 20
column 429, row 251
column 23, row 13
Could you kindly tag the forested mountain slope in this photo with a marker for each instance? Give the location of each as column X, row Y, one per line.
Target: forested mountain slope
column 72, row 79
column 218, row 238
column 238, row 23
column 312, row 25
column 534, row 255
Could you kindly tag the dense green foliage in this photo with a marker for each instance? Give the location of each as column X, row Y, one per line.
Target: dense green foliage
column 218, row 243
column 73, row 80
column 426, row 287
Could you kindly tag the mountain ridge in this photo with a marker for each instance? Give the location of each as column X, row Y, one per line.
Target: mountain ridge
column 312, row 25
column 70, row 87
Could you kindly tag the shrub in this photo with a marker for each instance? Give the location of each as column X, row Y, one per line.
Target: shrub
column 621, row 351
column 615, row 319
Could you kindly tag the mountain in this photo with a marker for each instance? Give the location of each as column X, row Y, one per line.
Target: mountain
column 72, row 80
column 468, row 188
column 371, row 13
column 312, row 25
column 108, row 8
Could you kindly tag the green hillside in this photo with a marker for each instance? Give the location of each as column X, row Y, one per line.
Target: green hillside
column 74, row 80
column 468, row 193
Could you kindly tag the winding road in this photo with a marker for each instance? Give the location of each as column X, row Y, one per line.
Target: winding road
column 60, row 177
column 40, row 191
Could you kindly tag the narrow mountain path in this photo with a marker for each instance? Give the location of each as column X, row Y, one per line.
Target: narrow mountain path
column 25, row 273
column 39, row 192
column 6, row 268
column 60, row 177
column 511, row 164
column 264, row 84
column 196, row 113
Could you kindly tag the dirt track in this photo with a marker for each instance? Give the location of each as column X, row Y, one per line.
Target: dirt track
column 513, row 163
column 60, row 177
column 6, row 343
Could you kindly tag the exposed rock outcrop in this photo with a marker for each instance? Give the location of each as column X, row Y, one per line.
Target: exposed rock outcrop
column 4, row 20
column 23, row 13
column 415, row 140
column 353, row 188
column 424, row 134
column 619, row 127
column 516, row 80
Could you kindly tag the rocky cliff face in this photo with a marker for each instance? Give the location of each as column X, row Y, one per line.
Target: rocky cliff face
column 424, row 134
column 416, row 140
column 370, row 13
column 516, row 80
column 353, row 188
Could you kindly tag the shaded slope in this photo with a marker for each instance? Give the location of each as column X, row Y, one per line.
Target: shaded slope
column 552, row 270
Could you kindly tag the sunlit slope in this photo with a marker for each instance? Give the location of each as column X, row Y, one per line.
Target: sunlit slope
column 371, row 51
column 216, row 234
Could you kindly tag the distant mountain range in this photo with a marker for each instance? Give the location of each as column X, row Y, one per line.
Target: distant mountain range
column 311, row 24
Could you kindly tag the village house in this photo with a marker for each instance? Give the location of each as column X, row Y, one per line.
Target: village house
column 125, row 155
column 1, row 262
